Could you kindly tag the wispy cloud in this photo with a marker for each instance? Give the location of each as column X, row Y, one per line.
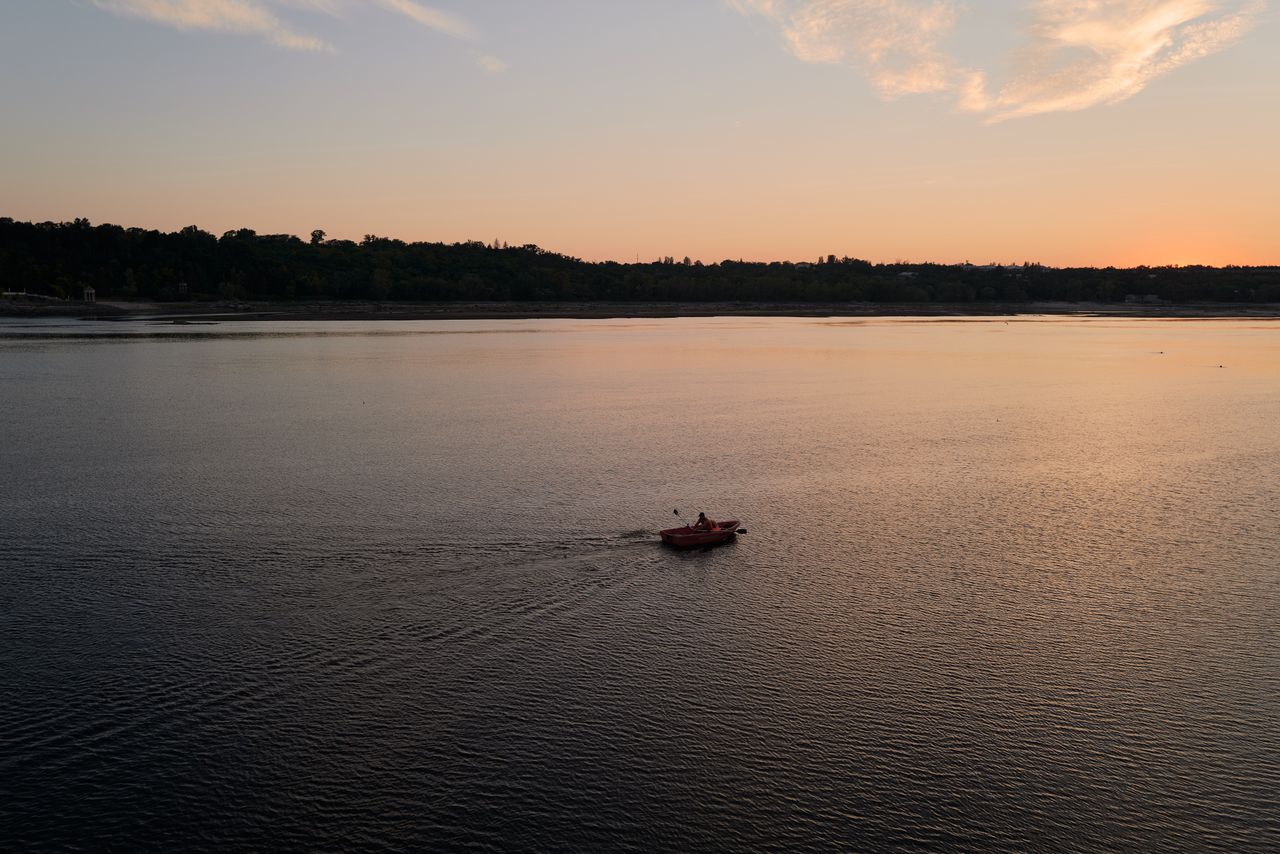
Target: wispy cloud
column 1077, row 54
column 897, row 43
column 263, row 18
column 436, row 19
column 491, row 64
column 1085, row 53
column 228, row 16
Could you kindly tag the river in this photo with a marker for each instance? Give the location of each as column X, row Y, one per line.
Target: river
column 1008, row 584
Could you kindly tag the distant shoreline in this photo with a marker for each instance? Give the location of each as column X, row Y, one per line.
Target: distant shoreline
column 364, row 311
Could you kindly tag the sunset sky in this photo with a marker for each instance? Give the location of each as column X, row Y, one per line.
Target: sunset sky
column 1062, row 131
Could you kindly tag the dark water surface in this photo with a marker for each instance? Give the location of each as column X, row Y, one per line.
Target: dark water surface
column 1008, row 586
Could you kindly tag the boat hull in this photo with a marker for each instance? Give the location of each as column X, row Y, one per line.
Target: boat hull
column 689, row 538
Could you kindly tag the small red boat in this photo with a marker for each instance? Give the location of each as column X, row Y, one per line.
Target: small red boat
column 687, row 538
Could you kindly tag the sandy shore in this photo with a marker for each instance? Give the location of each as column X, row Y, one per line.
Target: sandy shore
column 179, row 312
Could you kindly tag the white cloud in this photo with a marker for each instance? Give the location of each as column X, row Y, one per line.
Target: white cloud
column 262, row 17
column 1078, row 53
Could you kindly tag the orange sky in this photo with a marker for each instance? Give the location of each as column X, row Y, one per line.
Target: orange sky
column 718, row 129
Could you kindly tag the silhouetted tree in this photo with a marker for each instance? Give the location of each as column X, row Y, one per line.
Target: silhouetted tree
column 60, row 258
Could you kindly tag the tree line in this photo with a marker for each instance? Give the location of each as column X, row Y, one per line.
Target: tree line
column 61, row 259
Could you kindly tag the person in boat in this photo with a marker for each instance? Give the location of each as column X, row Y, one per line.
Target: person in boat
column 704, row 524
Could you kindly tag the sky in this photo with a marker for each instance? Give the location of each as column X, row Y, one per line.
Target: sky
column 1064, row 132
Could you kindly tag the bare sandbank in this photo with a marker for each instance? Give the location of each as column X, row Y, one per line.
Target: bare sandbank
column 340, row 311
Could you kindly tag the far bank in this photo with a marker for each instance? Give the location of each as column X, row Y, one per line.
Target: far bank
column 342, row 310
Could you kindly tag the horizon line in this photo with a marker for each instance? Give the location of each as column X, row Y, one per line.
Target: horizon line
column 822, row 259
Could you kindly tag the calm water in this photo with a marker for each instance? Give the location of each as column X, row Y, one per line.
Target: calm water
column 1012, row 586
